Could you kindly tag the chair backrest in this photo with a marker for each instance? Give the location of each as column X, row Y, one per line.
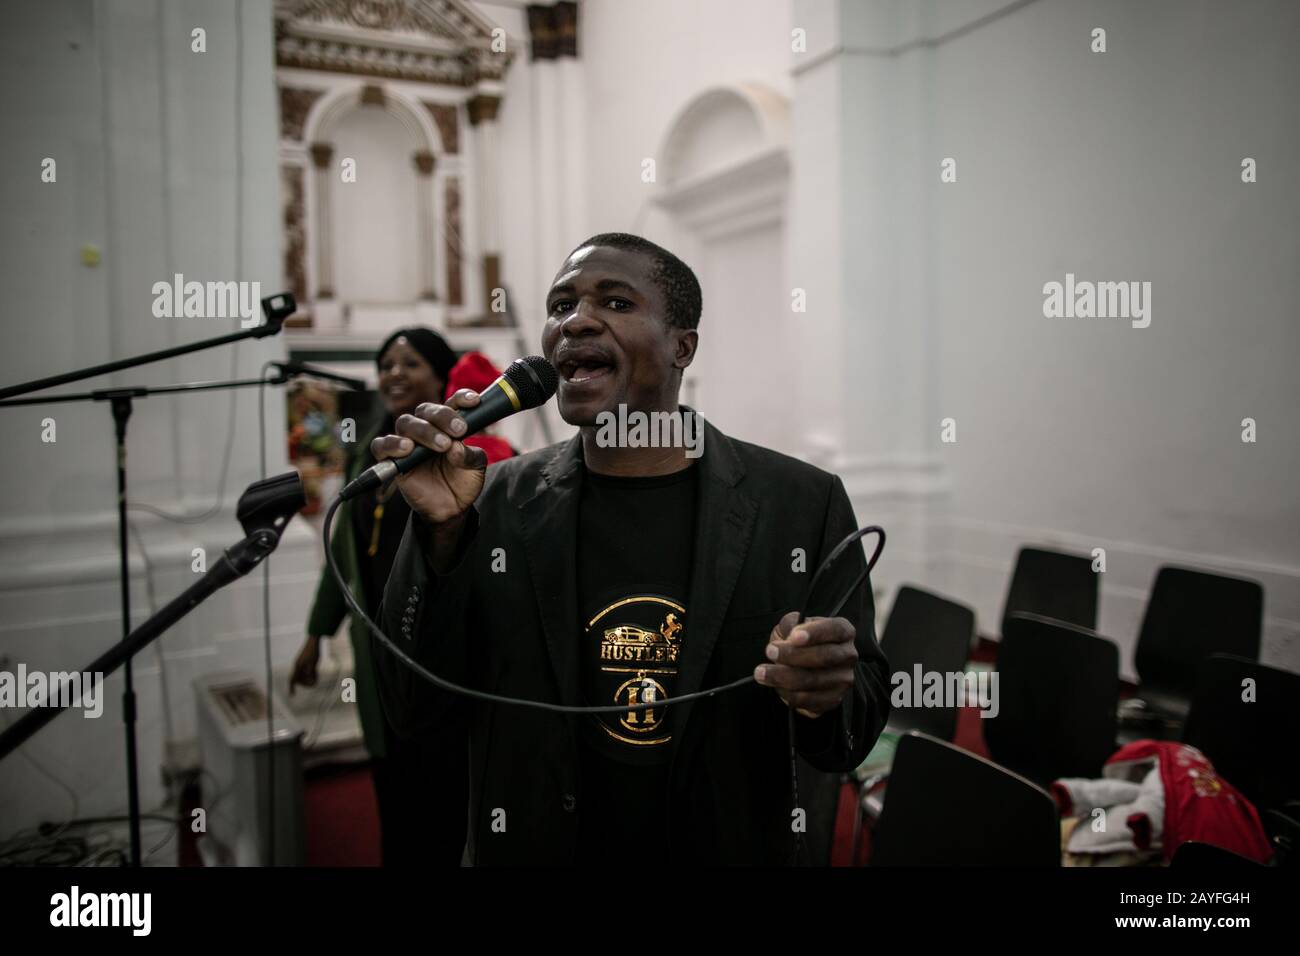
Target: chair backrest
column 1248, row 731
column 1057, row 696
column 934, row 634
column 945, row 806
column 1053, row 584
column 1192, row 854
column 1191, row 615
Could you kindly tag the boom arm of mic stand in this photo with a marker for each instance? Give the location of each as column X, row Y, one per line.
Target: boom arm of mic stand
column 275, row 308
column 262, row 507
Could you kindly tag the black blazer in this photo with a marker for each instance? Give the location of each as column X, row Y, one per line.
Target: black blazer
column 516, row 633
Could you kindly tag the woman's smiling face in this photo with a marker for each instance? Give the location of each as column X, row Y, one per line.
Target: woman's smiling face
column 406, row 380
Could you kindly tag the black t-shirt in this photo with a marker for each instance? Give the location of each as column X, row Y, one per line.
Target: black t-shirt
column 635, row 543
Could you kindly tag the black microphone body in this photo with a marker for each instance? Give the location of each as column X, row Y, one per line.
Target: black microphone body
column 526, row 383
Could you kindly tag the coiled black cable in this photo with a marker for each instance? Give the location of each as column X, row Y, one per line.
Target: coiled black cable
column 454, row 688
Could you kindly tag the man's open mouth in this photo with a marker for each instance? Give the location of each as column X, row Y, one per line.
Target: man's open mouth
column 580, row 367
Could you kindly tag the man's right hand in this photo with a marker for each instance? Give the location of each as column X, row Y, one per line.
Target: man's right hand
column 442, row 489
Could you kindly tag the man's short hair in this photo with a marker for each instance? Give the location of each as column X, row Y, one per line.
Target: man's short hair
column 680, row 288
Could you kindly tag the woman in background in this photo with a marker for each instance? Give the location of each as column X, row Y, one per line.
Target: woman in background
column 421, row 785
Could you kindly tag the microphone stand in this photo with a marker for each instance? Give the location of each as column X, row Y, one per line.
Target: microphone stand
column 285, row 373
column 275, row 309
column 263, row 511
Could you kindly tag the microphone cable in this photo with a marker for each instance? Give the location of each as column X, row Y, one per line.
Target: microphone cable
column 470, row 692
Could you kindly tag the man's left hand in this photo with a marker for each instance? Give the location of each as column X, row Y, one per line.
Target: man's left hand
column 812, row 666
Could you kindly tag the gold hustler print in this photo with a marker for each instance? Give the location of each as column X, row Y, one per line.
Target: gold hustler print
column 640, row 639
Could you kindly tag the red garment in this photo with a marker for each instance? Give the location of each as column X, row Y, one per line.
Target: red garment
column 497, row 449
column 475, row 371
column 1199, row 804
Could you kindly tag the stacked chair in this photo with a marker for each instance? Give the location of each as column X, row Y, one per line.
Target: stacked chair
column 1244, row 717
column 1191, row 615
column 930, row 632
column 1058, row 691
column 1058, row 713
column 948, row 807
column 1053, row 584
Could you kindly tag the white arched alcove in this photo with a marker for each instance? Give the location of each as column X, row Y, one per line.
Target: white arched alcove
column 725, row 179
column 380, row 233
column 376, row 229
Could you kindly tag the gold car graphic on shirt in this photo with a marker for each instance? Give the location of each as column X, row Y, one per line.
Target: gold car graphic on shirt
column 630, row 644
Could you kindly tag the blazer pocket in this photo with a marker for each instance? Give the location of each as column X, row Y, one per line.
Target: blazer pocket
column 741, row 641
column 750, row 627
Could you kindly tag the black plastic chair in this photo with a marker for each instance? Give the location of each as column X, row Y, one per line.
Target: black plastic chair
column 1058, row 691
column 947, row 807
column 1053, row 584
column 1192, row 854
column 1252, row 744
column 934, row 634
column 1189, row 616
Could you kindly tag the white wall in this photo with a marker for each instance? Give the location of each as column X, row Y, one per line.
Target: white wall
column 1122, row 165
column 167, row 163
column 1119, row 166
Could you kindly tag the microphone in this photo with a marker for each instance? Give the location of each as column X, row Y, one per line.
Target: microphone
column 526, row 383
column 289, row 369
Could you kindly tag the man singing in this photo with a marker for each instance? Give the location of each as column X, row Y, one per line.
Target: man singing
column 597, row 573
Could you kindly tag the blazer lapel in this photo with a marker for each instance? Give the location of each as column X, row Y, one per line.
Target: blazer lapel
column 724, row 528
column 550, row 531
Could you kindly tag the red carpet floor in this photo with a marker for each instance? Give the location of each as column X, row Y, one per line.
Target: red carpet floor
column 342, row 818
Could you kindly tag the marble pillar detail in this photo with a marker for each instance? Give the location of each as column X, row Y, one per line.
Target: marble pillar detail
column 424, row 164
column 451, row 220
column 321, row 154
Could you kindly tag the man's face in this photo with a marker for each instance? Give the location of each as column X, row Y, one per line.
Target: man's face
column 608, row 336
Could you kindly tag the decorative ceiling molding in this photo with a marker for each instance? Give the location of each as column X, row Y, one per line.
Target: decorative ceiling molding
column 482, row 108
column 432, row 41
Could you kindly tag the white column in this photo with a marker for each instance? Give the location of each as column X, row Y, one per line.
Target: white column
column 571, row 104
column 551, row 154
column 424, row 163
column 861, row 248
column 483, row 118
column 482, row 108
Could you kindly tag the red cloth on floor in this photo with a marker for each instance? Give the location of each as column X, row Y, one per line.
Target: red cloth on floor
column 1199, row 804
